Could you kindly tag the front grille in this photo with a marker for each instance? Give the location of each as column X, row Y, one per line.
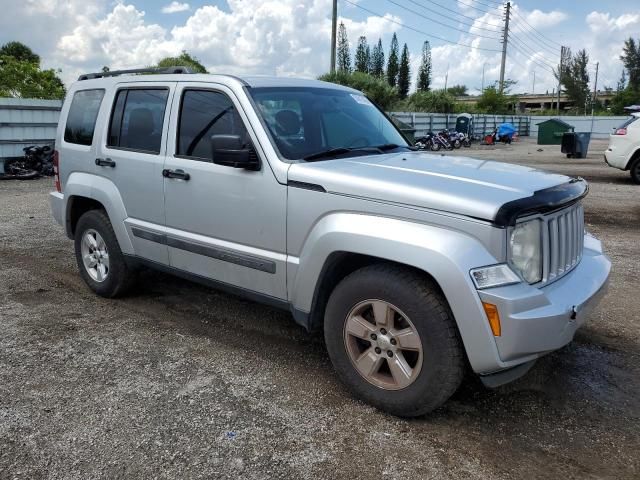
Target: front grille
column 564, row 242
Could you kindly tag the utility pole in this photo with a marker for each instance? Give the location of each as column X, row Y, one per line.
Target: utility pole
column 505, row 38
column 334, row 28
column 560, row 78
column 595, row 90
column 446, row 78
column 533, row 88
column 483, row 65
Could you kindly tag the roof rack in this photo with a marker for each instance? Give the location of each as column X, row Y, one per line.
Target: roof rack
column 136, row 71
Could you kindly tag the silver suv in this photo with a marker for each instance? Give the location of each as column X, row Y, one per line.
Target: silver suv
column 304, row 195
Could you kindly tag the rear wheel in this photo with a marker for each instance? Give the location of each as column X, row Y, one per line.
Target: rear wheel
column 634, row 170
column 393, row 341
column 99, row 258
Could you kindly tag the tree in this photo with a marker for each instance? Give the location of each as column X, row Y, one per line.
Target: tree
column 362, row 56
column 631, row 60
column 622, row 83
column 374, row 88
column 344, row 56
column 24, row 79
column 20, row 52
column 404, row 73
column 424, row 72
column 393, row 66
column 575, row 78
column 183, row 60
column 458, row 91
column 435, row 101
column 377, row 60
column 493, row 101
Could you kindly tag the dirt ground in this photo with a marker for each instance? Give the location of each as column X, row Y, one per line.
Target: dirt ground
column 180, row 381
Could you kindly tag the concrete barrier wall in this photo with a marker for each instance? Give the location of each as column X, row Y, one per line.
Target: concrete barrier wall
column 24, row 122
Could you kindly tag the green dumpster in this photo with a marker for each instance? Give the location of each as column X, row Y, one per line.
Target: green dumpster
column 550, row 131
column 408, row 131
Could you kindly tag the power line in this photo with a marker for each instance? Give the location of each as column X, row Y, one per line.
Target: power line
column 474, row 19
column 543, row 66
column 529, row 51
column 528, row 39
column 480, row 9
column 538, row 34
column 440, row 23
column 371, row 12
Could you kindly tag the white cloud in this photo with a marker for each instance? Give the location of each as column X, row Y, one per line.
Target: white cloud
column 175, row 7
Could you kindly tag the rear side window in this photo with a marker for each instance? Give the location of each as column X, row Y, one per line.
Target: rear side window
column 81, row 119
column 137, row 119
column 628, row 122
column 203, row 114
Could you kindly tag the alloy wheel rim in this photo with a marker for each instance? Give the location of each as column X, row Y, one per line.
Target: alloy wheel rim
column 95, row 256
column 383, row 344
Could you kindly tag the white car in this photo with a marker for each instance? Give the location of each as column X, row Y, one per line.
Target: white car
column 624, row 147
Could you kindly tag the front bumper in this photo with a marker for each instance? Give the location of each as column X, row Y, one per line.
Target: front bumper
column 536, row 321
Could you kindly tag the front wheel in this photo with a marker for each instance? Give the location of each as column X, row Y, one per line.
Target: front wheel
column 98, row 255
column 435, row 146
column 393, row 341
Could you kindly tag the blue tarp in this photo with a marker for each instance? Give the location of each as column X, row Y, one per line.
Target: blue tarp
column 506, row 130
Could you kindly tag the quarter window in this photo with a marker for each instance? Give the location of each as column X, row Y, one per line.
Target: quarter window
column 203, row 114
column 81, row 119
column 137, row 119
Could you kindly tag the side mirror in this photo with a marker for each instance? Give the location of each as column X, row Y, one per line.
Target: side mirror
column 230, row 151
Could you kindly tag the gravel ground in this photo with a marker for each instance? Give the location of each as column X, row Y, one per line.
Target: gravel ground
column 181, row 381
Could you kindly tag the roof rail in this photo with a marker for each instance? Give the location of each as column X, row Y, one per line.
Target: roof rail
column 136, row 71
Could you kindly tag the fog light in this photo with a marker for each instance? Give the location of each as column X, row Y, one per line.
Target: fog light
column 494, row 318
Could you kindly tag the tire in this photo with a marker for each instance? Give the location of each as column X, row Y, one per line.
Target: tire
column 435, row 146
column 117, row 276
column 456, row 144
column 634, row 170
column 417, row 305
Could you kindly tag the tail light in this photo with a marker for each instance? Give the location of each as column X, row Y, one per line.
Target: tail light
column 56, row 170
column 620, row 131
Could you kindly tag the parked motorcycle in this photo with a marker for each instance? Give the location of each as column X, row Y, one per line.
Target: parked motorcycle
column 37, row 161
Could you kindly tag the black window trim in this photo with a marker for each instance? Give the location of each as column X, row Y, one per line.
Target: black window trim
column 95, row 123
column 188, row 88
column 113, row 107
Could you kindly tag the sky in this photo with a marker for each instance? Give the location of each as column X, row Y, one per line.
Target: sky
column 292, row 37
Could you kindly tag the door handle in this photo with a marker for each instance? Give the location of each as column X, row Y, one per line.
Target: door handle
column 179, row 174
column 105, row 162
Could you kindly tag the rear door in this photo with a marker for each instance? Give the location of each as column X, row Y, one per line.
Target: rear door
column 132, row 154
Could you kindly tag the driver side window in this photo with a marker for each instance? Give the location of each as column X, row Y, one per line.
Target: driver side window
column 204, row 113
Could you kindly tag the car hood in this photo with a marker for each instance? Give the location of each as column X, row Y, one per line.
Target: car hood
column 461, row 185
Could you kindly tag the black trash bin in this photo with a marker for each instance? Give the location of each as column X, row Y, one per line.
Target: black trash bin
column 582, row 144
column 569, row 144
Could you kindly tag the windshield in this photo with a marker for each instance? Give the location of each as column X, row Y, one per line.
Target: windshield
column 305, row 122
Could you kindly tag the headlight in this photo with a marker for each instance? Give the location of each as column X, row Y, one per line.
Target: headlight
column 526, row 250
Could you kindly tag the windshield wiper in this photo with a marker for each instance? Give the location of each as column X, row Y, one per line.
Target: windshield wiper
column 332, row 152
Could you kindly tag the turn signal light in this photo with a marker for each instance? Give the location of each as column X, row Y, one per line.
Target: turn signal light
column 494, row 318
column 621, row 131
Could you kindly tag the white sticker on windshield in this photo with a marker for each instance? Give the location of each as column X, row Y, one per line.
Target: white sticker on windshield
column 362, row 100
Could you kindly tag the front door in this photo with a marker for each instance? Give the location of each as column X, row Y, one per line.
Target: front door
column 223, row 223
column 132, row 156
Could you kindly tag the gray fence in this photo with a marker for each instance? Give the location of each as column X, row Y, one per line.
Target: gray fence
column 25, row 122
column 482, row 124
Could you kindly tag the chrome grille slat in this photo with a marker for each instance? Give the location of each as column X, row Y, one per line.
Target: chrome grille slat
column 565, row 241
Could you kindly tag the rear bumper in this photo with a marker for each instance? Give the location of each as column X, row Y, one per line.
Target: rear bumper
column 614, row 160
column 536, row 321
column 56, row 201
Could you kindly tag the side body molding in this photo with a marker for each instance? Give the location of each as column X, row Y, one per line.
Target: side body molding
column 104, row 191
column 447, row 255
